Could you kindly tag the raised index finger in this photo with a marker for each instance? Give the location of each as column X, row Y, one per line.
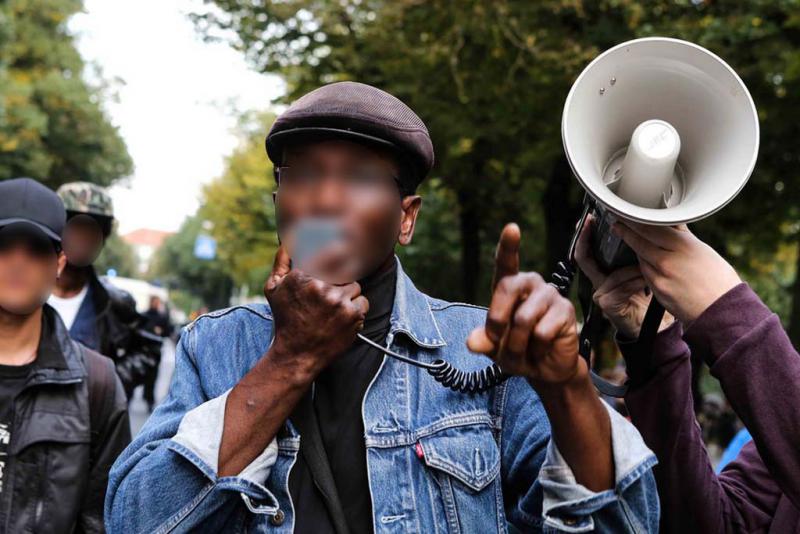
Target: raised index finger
column 506, row 259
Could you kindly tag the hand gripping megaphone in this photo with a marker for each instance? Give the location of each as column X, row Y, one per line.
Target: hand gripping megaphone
column 658, row 131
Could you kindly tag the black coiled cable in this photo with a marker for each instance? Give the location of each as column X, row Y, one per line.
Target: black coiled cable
column 464, row 381
column 562, row 277
column 474, row 381
column 447, row 375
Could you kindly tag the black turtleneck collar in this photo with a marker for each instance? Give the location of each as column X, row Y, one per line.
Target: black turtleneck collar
column 379, row 289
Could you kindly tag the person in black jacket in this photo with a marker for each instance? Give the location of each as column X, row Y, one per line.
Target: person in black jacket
column 99, row 315
column 63, row 412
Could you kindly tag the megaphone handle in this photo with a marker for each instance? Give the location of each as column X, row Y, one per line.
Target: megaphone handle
column 642, row 349
column 588, row 206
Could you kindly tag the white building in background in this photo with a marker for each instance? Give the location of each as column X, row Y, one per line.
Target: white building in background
column 145, row 242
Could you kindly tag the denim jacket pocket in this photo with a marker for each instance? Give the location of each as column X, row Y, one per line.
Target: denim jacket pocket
column 465, row 463
column 468, row 453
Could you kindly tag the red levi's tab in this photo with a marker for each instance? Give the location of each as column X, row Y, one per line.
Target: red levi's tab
column 419, row 451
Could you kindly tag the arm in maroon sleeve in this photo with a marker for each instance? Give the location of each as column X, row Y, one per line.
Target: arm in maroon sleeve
column 693, row 498
column 748, row 351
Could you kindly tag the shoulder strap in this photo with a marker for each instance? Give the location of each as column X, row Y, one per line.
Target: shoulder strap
column 100, row 381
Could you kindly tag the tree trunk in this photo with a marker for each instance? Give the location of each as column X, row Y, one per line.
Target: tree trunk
column 561, row 212
column 470, row 246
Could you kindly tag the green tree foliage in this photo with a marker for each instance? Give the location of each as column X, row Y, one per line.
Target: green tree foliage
column 457, row 67
column 118, row 255
column 239, row 206
column 176, row 266
column 433, row 256
column 490, row 77
column 52, row 126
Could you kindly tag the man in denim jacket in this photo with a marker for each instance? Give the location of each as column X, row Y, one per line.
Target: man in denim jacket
column 280, row 420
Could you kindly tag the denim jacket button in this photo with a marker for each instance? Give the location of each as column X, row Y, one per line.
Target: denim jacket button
column 277, row 518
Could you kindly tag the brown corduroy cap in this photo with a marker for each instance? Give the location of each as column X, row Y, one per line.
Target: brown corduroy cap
column 360, row 113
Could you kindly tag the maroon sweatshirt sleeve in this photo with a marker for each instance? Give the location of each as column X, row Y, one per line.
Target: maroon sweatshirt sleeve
column 693, row 497
column 748, row 351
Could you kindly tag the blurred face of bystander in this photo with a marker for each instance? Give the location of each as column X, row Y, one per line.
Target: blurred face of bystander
column 83, row 240
column 29, row 267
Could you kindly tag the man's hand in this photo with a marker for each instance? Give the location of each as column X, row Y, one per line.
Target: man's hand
column 314, row 321
column 685, row 274
column 530, row 329
column 622, row 295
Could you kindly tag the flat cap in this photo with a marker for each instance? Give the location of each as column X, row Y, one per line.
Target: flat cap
column 360, row 113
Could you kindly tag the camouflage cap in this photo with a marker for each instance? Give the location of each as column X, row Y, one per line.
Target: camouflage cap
column 85, row 197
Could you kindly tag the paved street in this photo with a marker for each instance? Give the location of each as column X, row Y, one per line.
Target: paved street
column 138, row 408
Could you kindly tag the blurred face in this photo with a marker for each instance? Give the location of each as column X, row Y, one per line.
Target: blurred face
column 83, row 240
column 353, row 185
column 29, row 266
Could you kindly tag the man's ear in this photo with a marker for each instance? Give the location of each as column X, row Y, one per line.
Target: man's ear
column 410, row 206
column 61, row 263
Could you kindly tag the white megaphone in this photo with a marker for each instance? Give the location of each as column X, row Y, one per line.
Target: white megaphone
column 658, row 131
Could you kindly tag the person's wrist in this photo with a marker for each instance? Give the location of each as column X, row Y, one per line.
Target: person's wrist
column 296, row 367
column 709, row 297
column 570, row 398
column 666, row 321
column 572, row 382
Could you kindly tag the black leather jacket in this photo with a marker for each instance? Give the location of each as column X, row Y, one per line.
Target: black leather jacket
column 120, row 329
column 70, row 424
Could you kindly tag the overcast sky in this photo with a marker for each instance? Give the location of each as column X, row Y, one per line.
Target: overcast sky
column 175, row 108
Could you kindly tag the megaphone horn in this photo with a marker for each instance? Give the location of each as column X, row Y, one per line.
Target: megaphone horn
column 662, row 98
column 658, row 131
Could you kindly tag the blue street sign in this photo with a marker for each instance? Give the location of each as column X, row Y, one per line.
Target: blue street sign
column 205, row 247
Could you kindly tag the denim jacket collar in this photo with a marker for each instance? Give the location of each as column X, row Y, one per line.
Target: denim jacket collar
column 412, row 314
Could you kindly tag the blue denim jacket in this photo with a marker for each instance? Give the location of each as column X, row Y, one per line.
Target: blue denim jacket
column 438, row 461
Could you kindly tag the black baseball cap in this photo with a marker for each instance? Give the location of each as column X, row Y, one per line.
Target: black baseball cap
column 359, row 113
column 26, row 202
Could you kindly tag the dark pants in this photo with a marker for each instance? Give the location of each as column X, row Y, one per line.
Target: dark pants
column 149, row 385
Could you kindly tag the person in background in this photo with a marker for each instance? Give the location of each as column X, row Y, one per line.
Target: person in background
column 156, row 317
column 97, row 314
column 63, row 414
column 716, row 316
column 158, row 322
column 279, row 420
